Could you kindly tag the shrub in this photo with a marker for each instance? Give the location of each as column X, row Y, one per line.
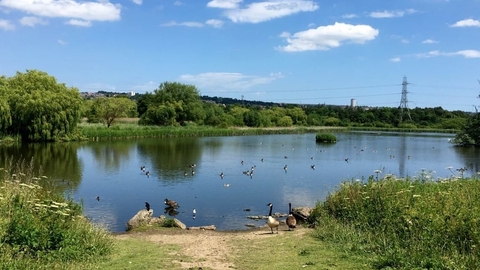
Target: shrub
column 325, row 138
column 40, row 226
column 406, row 223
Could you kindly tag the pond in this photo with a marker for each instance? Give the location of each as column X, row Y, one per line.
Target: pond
column 286, row 168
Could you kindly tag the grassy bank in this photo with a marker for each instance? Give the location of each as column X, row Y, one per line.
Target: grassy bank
column 132, row 130
column 125, row 130
column 405, row 223
column 43, row 230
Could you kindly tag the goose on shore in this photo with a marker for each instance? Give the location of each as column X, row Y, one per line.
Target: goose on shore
column 271, row 221
column 291, row 220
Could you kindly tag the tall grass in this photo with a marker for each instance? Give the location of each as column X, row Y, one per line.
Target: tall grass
column 42, row 229
column 132, row 130
column 412, row 223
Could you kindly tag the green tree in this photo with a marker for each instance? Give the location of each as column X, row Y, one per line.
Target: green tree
column 5, row 113
column 109, row 109
column 41, row 108
column 185, row 99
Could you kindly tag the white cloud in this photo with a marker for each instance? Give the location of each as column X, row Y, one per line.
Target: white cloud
column 469, row 53
column 178, row 3
column 32, row 21
column 391, row 13
column 224, row 4
column 138, row 2
column 214, row 23
column 187, row 24
column 330, row 36
column 80, row 23
column 62, row 42
column 223, row 80
column 349, row 16
column 429, row 41
column 6, row 25
column 395, row 59
column 72, row 9
column 268, row 10
column 466, row 23
column 464, row 53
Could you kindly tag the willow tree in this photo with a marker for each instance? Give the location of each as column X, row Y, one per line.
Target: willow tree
column 41, row 108
column 5, row 113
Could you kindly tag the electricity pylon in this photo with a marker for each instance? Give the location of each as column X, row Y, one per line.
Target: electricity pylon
column 404, row 102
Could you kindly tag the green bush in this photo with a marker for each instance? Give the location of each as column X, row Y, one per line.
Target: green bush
column 43, row 227
column 405, row 223
column 325, row 138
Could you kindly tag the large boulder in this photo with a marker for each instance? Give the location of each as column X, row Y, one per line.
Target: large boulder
column 302, row 213
column 143, row 217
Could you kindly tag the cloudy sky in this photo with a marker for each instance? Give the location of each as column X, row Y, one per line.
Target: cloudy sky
column 292, row 51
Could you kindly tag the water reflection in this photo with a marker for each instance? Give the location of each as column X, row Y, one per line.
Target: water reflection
column 280, row 170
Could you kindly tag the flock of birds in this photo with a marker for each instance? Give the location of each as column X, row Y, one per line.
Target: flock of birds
column 171, row 206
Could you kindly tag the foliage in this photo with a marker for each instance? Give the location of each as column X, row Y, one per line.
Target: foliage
column 169, row 223
column 40, row 227
column 172, row 97
column 470, row 134
column 413, row 223
column 325, row 138
column 41, row 109
column 108, row 109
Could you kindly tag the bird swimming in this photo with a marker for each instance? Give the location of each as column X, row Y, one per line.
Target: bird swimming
column 171, row 203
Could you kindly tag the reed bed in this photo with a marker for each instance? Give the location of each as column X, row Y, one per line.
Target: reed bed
column 413, row 223
column 40, row 229
column 125, row 131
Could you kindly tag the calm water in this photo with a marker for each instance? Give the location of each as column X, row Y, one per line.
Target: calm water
column 111, row 170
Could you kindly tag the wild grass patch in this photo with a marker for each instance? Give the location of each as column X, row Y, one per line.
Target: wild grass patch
column 42, row 228
column 405, row 223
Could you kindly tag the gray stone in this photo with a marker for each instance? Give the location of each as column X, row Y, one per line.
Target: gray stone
column 143, row 217
column 302, row 213
column 209, row 227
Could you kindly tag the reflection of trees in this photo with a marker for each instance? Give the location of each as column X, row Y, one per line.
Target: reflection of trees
column 469, row 157
column 170, row 156
column 58, row 161
column 110, row 154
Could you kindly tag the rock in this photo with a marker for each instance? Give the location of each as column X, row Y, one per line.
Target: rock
column 180, row 224
column 250, row 225
column 277, row 215
column 209, row 227
column 302, row 213
column 141, row 218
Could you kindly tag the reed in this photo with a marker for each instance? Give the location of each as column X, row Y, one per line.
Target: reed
column 413, row 223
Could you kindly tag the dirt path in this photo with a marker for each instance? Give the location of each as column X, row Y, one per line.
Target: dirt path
column 206, row 248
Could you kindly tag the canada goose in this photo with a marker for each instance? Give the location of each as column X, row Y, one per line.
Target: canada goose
column 222, row 175
column 185, row 174
column 147, row 205
column 97, row 198
column 271, row 221
column 171, row 203
column 291, row 221
column 142, row 168
column 313, row 167
column 194, row 213
column 147, row 173
column 346, row 160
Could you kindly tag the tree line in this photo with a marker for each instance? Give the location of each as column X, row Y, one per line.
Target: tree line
column 36, row 107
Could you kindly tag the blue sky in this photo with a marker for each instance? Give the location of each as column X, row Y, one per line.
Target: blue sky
column 291, row 51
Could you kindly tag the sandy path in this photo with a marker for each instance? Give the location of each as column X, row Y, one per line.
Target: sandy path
column 207, row 249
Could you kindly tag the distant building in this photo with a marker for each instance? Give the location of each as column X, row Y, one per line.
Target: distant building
column 353, row 103
column 132, row 93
